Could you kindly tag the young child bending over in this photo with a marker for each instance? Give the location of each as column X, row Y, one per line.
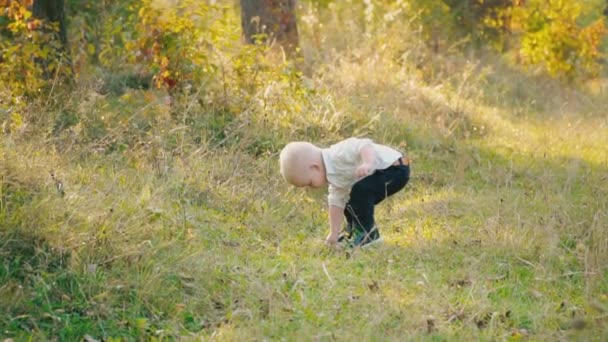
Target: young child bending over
column 360, row 174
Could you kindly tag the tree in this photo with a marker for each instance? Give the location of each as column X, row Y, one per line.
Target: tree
column 52, row 11
column 270, row 21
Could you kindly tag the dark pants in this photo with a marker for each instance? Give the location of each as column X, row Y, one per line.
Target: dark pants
column 370, row 191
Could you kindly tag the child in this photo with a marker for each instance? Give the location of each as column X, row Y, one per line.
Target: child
column 360, row 174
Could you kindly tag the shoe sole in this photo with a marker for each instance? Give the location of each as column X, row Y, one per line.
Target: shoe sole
column 373, row 243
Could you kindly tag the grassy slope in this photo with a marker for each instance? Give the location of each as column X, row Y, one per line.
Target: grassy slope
column 501, row 233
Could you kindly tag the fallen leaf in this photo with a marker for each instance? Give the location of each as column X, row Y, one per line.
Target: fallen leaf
column 89, row 338
column 373, row 286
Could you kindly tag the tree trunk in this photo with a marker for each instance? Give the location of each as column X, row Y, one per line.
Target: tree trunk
column 52, row 11
column 270, row 21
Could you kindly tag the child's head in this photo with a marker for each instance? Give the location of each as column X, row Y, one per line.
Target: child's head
column 302, row 165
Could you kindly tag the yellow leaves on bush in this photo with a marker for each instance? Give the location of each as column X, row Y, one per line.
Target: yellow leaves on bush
column 553, row 39
column 164, row 62
column 13, row 123
column 593, row 35
column 555, row 35
column 175, row 40
column 31, row 53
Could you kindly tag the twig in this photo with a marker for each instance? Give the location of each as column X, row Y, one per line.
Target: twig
column 327, row 274
column 54, row 81
column 526, row 262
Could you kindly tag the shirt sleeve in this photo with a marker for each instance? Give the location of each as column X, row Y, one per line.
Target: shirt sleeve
column 337, row 196
column 357, row 144
column 348, row 152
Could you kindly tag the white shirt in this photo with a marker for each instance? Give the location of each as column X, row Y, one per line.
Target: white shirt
column 341, row 162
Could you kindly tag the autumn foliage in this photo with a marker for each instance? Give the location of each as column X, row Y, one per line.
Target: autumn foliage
column 182, row 44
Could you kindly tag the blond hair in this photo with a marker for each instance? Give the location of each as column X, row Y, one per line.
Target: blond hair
column 295, row 159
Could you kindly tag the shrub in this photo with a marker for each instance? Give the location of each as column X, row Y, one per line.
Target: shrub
column 553, row 39
column 30, row 51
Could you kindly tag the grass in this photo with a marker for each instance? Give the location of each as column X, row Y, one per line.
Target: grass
column 130, row 222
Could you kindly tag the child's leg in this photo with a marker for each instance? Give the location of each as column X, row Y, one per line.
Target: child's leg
column 349, row 222
column 395, row 179
column 360, row 208
column 372, row 190
column 363, row 196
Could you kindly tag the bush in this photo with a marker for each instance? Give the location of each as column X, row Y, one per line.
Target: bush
column 552, row 38
column 30, row 51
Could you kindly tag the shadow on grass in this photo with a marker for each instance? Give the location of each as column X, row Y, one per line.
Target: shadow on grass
column 35, row 283
column 42, row 297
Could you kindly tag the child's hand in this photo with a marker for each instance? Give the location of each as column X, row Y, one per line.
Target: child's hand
column 364, row 169
column 332, row 240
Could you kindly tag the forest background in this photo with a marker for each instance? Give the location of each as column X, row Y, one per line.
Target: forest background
column 139, row 189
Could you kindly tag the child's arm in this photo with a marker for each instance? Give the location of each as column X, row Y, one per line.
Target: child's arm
column 336, row 216
column 336, row 199
column 368, row 161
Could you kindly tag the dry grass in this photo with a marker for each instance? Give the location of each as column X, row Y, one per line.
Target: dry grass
column 165, row 226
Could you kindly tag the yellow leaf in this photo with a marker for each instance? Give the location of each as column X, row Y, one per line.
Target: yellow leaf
column 141, row 323
column 164, row 62
column 91, row 49
column 17, row 120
